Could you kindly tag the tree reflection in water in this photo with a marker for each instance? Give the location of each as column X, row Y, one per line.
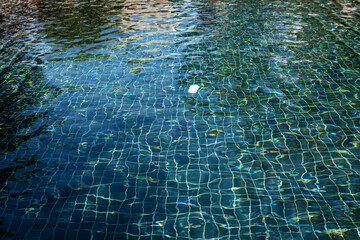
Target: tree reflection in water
column 23, row 95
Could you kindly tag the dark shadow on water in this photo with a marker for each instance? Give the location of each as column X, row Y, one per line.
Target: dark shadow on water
column 24, row 97
column 22, row 88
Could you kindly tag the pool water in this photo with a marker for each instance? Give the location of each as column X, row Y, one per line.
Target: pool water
column 130, row 119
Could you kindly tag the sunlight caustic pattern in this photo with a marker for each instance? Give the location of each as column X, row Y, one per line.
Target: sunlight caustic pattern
column 179, row 119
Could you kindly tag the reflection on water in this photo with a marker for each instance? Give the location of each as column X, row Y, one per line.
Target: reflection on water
column 102, row 29
column 179, row 119
column 21, row 76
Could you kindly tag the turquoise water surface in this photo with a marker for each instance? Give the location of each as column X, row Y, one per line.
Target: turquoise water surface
column 185, row 119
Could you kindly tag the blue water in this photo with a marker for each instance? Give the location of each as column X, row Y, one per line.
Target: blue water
column 179, row 119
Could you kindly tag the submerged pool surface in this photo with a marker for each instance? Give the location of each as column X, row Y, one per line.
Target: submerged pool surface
column 179, row 119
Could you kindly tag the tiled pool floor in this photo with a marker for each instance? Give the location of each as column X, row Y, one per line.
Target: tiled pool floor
column 179, row 119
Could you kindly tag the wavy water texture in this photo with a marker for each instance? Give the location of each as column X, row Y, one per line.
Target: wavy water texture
column 131, row 119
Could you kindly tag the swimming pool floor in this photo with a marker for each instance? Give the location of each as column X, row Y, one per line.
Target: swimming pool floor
column 180, row 119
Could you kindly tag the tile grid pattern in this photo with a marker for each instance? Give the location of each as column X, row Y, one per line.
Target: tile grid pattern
column 267, row 148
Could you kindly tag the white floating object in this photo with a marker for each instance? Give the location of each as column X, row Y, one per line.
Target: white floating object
column 193, row 88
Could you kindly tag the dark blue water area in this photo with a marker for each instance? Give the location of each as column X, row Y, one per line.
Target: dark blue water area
column 179, row 119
